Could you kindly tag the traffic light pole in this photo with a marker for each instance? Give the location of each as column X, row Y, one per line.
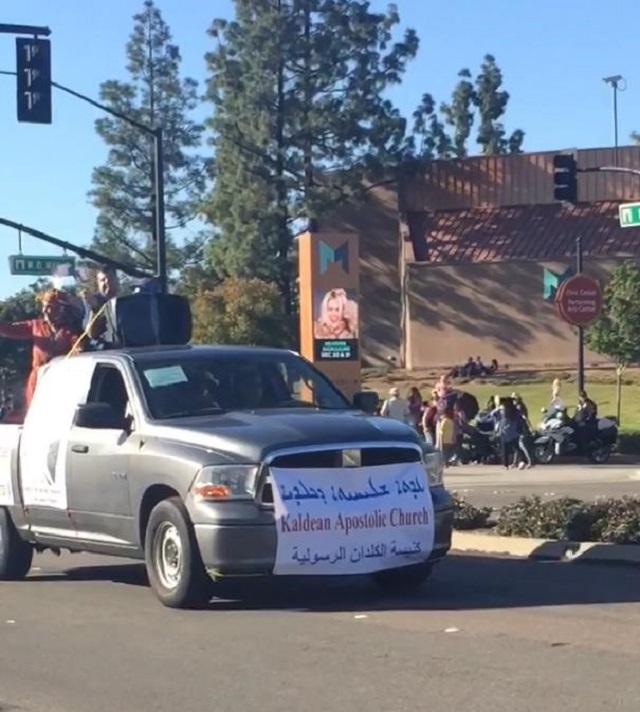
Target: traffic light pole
column 566, row 190
column 161, row 240
column 31, row 30
column 84, row 252
column 157, row 136
column 610, row 169
column 580, row 328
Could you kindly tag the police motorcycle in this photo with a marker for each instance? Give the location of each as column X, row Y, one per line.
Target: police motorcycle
column 483, row 446
column 560, row 435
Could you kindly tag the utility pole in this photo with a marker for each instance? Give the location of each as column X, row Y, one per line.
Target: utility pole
column 156, row 134
column 580, row 328
column 614, row 82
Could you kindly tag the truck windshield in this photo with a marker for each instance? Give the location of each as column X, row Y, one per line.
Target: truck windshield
column 192, row 385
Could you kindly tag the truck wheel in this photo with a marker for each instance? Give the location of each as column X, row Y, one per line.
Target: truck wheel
column 404, row 579
column 16, row 554
column 174, row 567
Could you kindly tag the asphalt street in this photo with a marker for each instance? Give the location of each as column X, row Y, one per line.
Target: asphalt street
column 85, row 634
column 492, row 486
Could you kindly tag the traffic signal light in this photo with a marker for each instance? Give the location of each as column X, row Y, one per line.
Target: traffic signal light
column 33, row 67
column 565, row 178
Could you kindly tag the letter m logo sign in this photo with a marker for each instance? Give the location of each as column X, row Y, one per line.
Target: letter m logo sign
column 328, row 255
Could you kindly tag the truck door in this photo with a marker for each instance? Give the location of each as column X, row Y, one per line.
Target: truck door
column 98, row 467
column 42, row 457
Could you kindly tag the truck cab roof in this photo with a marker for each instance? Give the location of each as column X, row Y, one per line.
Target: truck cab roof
column 151, row 353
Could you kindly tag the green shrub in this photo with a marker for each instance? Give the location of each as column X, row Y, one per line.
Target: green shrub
column 563, row 518
column 606, row 520
column 628, row 443
column 619, row 522
column 467, row 516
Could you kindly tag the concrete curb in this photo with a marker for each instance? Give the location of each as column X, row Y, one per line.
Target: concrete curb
column 546, row 549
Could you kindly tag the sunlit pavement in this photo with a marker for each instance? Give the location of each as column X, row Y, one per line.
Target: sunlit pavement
column 485, row 634
column 494, row 486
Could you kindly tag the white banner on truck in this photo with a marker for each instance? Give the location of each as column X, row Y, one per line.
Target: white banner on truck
column 43, row 451
column 9, row 436
column 347, row 521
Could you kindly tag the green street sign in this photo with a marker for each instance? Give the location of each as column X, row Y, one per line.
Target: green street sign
column 629, row 215
column 35, row 266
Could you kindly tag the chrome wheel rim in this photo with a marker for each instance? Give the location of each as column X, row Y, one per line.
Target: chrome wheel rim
column 168, row 555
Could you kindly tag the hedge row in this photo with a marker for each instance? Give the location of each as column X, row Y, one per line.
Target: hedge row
column 605, row 520
column 467, row 516
column 628, row 443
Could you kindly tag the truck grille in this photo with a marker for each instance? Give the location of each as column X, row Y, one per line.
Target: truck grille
column 368, row 456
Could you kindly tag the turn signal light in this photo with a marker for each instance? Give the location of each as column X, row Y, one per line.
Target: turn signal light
column 212, row 492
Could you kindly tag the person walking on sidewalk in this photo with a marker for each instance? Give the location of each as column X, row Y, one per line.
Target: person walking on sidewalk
column 396, row 407
column 508, row 432
column 525, row 440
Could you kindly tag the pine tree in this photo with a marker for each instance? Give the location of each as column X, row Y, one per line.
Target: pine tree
column 429, row 138
column 123, row 188
column 459, row 113
column 491, row 102
column 482, row 103
column 300, row 117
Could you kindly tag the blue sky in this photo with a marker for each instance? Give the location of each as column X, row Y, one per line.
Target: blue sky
column 553, row 55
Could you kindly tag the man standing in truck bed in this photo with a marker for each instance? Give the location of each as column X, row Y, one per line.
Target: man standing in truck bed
column 103, row 325
column 53, row 334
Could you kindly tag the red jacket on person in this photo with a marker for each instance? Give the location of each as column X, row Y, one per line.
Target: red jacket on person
column 47, row 344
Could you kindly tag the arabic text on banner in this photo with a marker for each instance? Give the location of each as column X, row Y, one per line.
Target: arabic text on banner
column 347, row 521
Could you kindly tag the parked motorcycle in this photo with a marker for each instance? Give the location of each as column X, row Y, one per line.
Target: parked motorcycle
column 559, row 435
column 483, row 446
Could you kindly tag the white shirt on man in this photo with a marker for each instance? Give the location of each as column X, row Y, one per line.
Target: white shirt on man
column 396, row 408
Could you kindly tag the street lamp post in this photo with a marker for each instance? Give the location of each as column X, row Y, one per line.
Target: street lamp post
column 157, row 136
column 614, row 82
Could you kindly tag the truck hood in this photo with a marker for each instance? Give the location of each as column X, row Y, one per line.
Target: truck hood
column 252, row 436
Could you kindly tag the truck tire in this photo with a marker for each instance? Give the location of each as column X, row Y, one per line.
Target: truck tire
column 174, row 567
column 16, row 554
column 404, row 579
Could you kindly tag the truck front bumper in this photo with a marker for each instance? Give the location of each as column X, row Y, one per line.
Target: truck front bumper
column 249, row 549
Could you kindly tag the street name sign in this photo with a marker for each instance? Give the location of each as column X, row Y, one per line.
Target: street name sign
column 39, row 266
column 629, row 214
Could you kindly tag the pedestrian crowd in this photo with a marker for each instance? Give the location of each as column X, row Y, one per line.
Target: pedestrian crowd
column 503, row 428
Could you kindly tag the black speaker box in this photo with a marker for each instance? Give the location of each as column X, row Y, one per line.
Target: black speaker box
column 152, row 320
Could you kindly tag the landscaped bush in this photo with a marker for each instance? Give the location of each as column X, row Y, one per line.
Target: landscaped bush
column 467, row 516
column 620, row 521
column 628, row 443
column 606, row 520
column 564, row 518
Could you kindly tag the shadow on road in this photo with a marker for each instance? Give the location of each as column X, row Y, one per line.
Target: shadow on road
column 458, row 583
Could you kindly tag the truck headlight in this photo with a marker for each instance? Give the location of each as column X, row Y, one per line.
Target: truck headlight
column 223, row 482
column 434, row 465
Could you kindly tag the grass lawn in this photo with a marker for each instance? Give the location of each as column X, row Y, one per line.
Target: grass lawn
column 534, row 387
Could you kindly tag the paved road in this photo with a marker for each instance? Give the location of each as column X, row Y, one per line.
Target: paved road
column 487, row 634
column 495, row 487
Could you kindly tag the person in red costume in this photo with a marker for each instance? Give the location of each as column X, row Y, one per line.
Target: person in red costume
column 53, row 334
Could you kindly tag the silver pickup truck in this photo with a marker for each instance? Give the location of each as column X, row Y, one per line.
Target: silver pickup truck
column 212, row 461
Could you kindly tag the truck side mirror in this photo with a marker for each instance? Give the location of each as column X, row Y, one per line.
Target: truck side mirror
column 99, row 416
column 367, row 401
